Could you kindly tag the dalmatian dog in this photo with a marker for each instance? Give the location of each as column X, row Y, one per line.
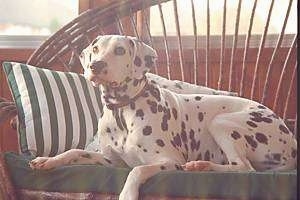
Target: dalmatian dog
column 173, row 85
column 161, row 130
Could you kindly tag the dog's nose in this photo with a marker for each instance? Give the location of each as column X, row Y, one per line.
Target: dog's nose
column 98, row 66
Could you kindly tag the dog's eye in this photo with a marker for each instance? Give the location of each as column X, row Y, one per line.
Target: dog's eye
column 119, row 51
column 95, row 49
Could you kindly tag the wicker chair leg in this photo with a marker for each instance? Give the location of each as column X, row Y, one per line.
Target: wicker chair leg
column 7, row 190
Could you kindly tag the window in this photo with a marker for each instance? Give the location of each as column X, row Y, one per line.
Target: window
column 216, row 17
column 26, row 23
column 35, row 17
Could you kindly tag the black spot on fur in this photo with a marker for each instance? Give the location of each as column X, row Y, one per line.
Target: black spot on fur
column 165, row 118
column 222, row 152
column 272, row 159
column 177, row 140
column 273, row 116
column 199, row 156
column 162, row 167
column 283, row 129
column 261, row 107
column 251, row 141
column 261, row 138
column 224, row 163
column 153, row 106
column 252, row 124
column 159, row 108
column 174, row 111
column 140, row 113
column 258, row 117
column 147, row 130
column 200, row 116
column 185, row 156
column 86, row 155
column 154, row 91
column 153, row 81
column 160, row 143
column 137, row 61
column 177, row 85
column 149, row 61
column 267, row 120
column 178, row 167
column 145, row 94
column 234, row 163
column 164, row 125
column 183, row 136
column 108, row 130
column 132, row 105
column 235, row 135
column 277, row 156
column 195, row 145
column 186, row 117
column 198, row 98
column 107, row 160
column 207, row 156
column 294, row 153
column 119, row 51
column 136, row 82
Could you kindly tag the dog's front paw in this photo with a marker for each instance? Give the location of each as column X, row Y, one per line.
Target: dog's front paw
column 43, row 163
column 128, row 194
column 198, row 165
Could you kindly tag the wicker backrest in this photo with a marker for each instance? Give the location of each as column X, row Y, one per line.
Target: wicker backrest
column 226, row 68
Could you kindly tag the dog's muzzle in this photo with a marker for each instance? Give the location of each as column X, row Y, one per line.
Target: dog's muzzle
column 97, row 67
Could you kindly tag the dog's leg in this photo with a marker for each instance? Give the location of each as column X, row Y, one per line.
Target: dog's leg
column 139, row 175
column 73, row 156
column 221, row 128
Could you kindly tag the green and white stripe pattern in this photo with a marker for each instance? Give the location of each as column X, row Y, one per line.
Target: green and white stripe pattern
column 57, row 111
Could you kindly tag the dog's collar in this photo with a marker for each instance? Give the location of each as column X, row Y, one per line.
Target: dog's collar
column 113, row 106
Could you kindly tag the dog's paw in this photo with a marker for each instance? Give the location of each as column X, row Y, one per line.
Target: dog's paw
column 125, row 195
column 42, row 163
column 130, row 191
column 198, row 165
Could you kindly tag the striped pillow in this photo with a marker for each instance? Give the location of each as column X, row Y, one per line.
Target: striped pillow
column 57, row 111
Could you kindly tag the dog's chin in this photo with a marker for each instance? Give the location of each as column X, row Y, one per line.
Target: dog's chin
column 96, row 82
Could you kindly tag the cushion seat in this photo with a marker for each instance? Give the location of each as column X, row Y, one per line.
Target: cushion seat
column 100, row 179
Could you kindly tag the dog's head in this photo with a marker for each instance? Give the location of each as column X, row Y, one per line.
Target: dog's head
column 113, row 59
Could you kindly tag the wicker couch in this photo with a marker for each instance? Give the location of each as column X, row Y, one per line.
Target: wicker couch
column 193, row 63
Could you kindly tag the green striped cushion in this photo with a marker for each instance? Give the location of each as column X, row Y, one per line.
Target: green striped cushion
column 57, row 111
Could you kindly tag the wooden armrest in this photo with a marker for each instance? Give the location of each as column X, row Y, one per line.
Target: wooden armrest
column 7, row 190
column 8, row 111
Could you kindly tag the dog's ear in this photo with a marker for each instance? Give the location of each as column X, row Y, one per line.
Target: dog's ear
column 143, row 57
column 86, row 54
column 85, row 57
